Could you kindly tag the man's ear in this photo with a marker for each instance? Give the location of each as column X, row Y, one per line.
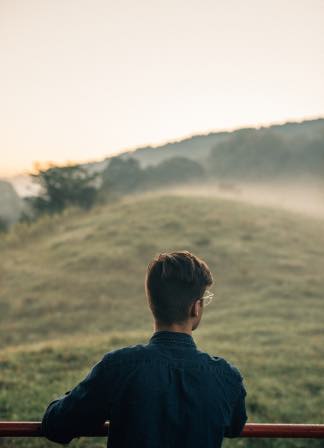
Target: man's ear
column 195, row 308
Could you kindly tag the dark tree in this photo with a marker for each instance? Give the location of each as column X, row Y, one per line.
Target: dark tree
column 249, row 154
column 175, row 170
column 63, row 186
column 3, row 225
column 122, row 175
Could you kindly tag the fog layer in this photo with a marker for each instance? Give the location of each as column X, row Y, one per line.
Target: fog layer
column 307, row 199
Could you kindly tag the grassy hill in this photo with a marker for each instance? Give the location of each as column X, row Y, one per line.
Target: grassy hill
column 72, row 288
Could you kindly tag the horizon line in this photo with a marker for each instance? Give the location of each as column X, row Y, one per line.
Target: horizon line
column 169, row 141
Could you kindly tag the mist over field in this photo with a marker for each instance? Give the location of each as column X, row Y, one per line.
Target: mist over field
column 279, row 166
column 307, row 199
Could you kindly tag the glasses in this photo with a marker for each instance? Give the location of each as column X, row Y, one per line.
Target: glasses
column 207, row 298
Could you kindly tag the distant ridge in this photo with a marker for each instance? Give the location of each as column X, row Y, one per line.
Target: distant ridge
column 196, row 147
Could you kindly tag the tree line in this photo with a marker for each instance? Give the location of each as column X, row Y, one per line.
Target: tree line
column 76, row 185
column 247, row 155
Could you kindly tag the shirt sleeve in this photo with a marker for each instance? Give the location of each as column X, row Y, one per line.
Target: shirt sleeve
column 81, row 410
column 239, row 416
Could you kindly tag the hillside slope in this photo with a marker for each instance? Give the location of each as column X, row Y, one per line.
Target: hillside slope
column 72, row 288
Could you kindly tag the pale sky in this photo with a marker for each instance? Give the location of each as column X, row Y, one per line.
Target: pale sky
column 82, row 79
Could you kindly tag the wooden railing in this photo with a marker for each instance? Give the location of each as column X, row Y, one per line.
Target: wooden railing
column 279, row 430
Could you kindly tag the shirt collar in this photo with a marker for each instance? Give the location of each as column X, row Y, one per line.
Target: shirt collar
column 172, row 338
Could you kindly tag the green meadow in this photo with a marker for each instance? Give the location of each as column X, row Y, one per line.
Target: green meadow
column 72, row 289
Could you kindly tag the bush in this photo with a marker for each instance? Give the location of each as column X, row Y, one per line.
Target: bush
column 63, row 186
column 3, row 225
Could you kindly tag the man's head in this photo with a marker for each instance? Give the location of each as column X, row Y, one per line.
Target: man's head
column 175, row 283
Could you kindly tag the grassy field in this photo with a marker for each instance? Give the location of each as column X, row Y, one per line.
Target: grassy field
column 72, row 288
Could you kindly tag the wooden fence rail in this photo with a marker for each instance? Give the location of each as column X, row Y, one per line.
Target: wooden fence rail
column 278, row 430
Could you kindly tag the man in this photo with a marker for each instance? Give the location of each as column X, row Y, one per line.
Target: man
column 166, row 393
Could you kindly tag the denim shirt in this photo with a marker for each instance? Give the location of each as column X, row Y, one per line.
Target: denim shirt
column 163, row 394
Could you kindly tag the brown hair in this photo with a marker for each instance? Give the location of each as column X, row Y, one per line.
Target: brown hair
column 173, row 282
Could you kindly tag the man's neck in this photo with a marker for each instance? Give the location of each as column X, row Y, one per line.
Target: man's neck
column 174, row 327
